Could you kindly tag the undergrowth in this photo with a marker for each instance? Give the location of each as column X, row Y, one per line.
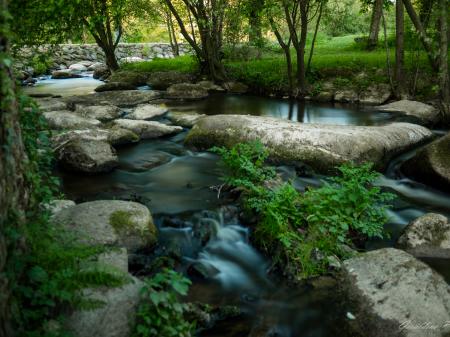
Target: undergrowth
column 306, row 232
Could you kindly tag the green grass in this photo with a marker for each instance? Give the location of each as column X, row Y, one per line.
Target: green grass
column 185, row 64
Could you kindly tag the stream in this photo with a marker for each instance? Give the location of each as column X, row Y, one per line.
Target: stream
column 178, row 187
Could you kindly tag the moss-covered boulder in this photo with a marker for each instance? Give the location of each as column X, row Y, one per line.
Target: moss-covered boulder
column 184, row 119
column 431, row 164
column 103, row 113
column 120, row 98
column 161, row 80
column 135, row 78
column 115, row 86
column 147, row 112
column 61, row 120
column 414, row 111
column 187, row 91
column 147, row 129
column 427, row 236
column 320, row 146
column 110, row 222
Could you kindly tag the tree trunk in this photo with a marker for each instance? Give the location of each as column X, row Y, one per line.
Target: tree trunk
column 399, row 49
column 110, row 57
column 443, row 57
column 301, row 68
column 375, row 24
column 13, row 191
column 254, row 20
column 313, row 43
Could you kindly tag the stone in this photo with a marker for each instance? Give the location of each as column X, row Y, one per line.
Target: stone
column 419, row 112
column 121, row 98
column 210, row 86
column 103, row 113
column 113, row 260
column 60, row 120
column 56, row 206
column 119, row 136
column 96, row 65
column 235, row 87
column 77, row 68
column 64, row 74
column 323, row 147
column 114, row 319
column 110, row 222
column 324, row 96
column 147, row 129
column 62, row 138
column 51, row 104
column 114, row 86
column 131, row 59
column 88, row 156
column 431, row 164
column 346, row 96
column 147, row 112
column 186, row 91
column 375, row 95
column 390, row 293
column 101, row 72
column 132, row 77
column 184, row 119
column 427, row 236
column 161, row 80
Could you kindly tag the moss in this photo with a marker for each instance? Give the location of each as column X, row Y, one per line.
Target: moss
column 121, row 220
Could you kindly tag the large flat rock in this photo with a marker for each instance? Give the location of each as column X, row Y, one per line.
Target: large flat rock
column 147, row 129
column 120, row 98
column 419, row 112
column 320, row 146
column 61, row 120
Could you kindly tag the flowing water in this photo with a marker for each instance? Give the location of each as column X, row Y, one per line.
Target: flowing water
column 180, row 188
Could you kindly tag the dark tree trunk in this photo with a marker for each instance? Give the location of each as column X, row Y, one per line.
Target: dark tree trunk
column 13, row 191
column 172, row 34
column 399, row 49
column 313, row 43
column 110, row 57
column 301, row 68
column 255, row 23
column 375, row 24
column 443, row 57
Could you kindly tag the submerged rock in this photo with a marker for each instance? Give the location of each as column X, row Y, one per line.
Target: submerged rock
column 320, row 146
column 103, row 113
column 110, row 222
column 431, row 164
column 161, row 80
column 121, row 98
column 184, row 119
column 187, row 91
column 392, row 293
column 89, row 156
column 114, row 319
column 146, row 129
column 60, row 120
column 422, row 113
column 427, row 236
column 115, row 86
column 147, row 112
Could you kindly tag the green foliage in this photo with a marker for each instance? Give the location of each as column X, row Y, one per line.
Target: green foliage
column 160, row 313
column 303, row 232
column 48, row 274
column 185, row 64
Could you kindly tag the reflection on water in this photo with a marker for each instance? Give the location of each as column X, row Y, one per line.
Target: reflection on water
column 64, row 87
column 305, row 112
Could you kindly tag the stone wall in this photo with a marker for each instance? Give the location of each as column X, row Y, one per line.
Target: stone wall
column 64, row 55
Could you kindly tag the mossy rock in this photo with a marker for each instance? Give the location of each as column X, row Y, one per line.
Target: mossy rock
column 135, row 78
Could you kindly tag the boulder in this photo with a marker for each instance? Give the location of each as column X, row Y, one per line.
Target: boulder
column 134, row 78
column 393, row 294
column 321, row 146
column 114, row 86
column 77, row 68
column 235, row 87
column 146, row 129
column 210, row 86
column 427, row 236
column 97, row 65
column 417, row 111
column 161, row 80
column 56, row 206
column 186, row 91
column 431, row 164
column 131, row 59
column 89, row 156
column 114, row 319
column 64, row 74
column 184, row 119
column 101, row 72
column 110, row 222
column 103, row 113
column 121, row 98
column 51, row 104
column 60, row 120
column 324, row 96
column 114, row 136
column 147, row 112
column 119, row 136
column 346, row 96
column 375, row 95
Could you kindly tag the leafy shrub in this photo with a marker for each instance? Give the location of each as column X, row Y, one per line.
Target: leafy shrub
column 160, row 314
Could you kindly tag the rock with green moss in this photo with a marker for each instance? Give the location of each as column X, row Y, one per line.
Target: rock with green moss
column 431, row 164
column 135, row 78
column 103, row 113
column 427, row 236
column 120, row 98
column 147, row 112
column 391, row 293
column 63, row 120
column 186, row 91
column 110, row 222
column 184, row 119
column 119, row 136
column 115, row 86
column 323, row 147
column 147, row 129
column 161, row 80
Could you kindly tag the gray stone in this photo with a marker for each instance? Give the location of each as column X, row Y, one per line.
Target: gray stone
column 56, row 206
column 101, row 72
column 120, row 136
column 60, row 120
column 392, row 293
column 210, row 86
column 110, row 222
column 427, row 236
column 431, row 164
column 64, row 74
column 147, row 112
column 134, row 78
column 235, row 87
column 346, row 96
column 184, row 119
column 114, row 86
column 423, row 113
column 103, row 113
column 186, row 91
column 323, row 147
column 51, row 104
column 77, row 68
column 147, row 129
column 89, row 156
column 122, row 99
column 161, row 80
column 375, row 95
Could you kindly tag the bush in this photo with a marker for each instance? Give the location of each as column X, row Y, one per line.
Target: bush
column 160, row 314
